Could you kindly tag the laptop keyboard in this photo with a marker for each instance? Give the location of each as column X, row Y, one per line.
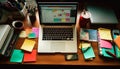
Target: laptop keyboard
column 57, row 33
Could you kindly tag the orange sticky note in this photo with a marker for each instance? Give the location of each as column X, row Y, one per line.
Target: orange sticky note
column 30, row 56
column 28, row 30
column 28, row 45
column 117, row 41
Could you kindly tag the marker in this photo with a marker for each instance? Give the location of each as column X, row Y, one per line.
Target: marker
column 111, row 54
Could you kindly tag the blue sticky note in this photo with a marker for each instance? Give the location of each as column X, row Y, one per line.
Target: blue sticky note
column 89, row 53
column 17, row 56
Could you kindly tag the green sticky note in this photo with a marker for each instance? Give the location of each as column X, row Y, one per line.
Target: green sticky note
column 32, row 35
column 17, row 56
column 89, row 53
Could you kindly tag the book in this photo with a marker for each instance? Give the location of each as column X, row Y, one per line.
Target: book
column 7, row 41
column 4, row 30
column 88, row 34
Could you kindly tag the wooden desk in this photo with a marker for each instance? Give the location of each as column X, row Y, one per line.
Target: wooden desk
column 58, row 59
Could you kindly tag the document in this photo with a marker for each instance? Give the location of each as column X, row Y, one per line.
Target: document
column 28, row 45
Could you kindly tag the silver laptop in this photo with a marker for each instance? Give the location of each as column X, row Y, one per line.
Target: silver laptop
column 57, row 27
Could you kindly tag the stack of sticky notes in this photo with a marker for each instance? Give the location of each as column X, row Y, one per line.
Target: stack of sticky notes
column 17, row 56
column 28, row 45
column 87, row 50
column 30, row 33
column 30, row 56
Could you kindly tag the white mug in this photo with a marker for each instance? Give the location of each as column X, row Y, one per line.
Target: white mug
column 18, row 24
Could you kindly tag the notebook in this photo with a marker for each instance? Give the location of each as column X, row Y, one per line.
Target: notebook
column 57, row 32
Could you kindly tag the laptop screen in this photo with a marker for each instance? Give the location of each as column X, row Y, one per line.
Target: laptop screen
column 57, row 13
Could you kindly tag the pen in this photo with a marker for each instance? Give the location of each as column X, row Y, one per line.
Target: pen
column 111, row 54
column 86, row 49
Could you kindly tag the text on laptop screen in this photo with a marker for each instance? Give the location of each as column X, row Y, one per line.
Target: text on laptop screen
column 58, row 13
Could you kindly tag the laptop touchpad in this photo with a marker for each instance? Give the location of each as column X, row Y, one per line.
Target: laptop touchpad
column 57, row 46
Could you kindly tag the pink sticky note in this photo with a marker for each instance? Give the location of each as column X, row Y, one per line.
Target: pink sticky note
column 105, row 44
column 36, row 31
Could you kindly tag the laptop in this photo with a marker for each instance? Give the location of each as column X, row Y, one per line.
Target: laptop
column 102, row 14
column 57, row 27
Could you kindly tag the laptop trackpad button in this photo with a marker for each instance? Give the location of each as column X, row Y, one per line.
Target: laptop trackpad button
column 57, row 46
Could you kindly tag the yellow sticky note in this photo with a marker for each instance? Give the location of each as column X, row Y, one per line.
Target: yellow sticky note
column 105, row 33
column 85, row 44
column 22, row 34
column 28, row 45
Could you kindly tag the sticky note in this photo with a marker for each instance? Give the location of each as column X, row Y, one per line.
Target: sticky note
column 105, row 33
column 105, row 43
column 36, row 31
column 28, row 30
column 117, row 41
column 17, row 56
column 28, row 45
column 30, row 56
column 23, row 34
column 89, row 53
column 32, row 35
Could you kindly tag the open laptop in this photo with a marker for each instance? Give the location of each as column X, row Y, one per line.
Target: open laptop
column 57, row 27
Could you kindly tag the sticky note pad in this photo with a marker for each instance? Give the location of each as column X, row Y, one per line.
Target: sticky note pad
column 28, row 30
column 36, row 31
column 28, row 45
column 105, row 33
column 32, row 35
column 87, row 50
column 17, row 56
column 117, row 41
column 30, row 56
column 23, row 34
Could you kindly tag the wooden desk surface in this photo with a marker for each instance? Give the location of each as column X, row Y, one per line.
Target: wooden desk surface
column 58, row 59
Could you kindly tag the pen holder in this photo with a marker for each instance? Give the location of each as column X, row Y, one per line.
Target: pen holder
column 18, row 25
